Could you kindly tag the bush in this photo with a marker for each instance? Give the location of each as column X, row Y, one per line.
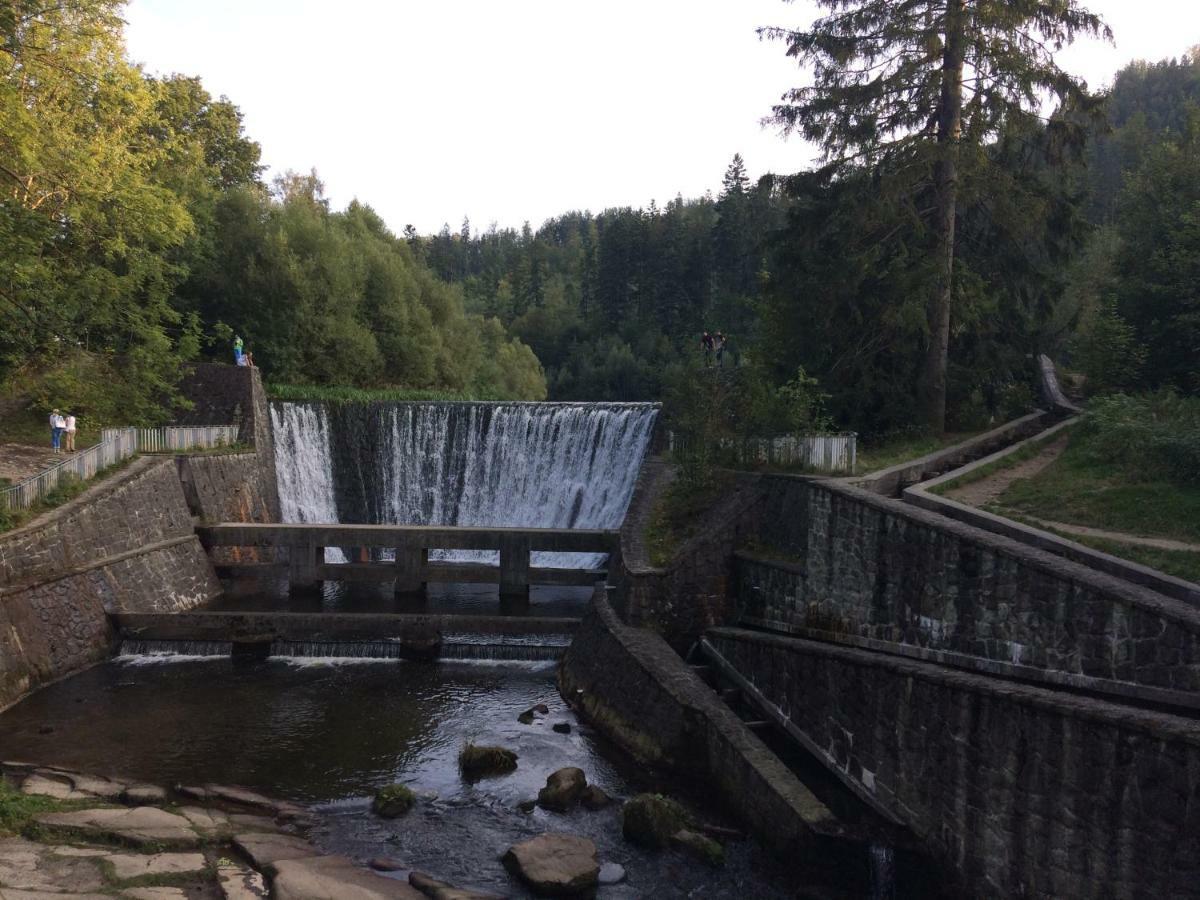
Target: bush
column 1148, row 435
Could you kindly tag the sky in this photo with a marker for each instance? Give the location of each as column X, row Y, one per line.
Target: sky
column 432, row 110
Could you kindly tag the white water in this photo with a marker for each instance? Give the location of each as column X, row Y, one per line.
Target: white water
column 521, row 465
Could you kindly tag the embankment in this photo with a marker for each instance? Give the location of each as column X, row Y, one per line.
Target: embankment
column 125, row 545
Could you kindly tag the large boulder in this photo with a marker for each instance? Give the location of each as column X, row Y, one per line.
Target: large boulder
column 555, row 865
column 393, row 801
column 479, row 762
column 651, row 820
column 563, row 789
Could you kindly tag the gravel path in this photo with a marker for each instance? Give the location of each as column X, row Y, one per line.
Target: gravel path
column 1119, row 537
column 21, row 461
column 985, row 490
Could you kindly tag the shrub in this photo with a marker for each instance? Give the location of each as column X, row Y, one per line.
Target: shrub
column 1148, row 435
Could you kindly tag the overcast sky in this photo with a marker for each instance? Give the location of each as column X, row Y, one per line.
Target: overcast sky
column 430, row 110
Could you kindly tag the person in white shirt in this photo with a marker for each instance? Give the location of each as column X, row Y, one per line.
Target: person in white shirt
column 70, row 426
column 57, row 425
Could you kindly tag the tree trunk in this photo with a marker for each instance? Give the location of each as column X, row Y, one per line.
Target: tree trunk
column 946, row 188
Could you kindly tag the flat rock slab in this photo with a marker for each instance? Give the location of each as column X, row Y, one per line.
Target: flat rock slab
column 138, row 826
column 240, row 822
column 127, row 866
column 441, row 890
column 240, row 797
column 58, row 787
column 336, row 878
column 241, row 882
column 557, row 865
column 155, row 893
column 26, row 865
column 207, row 821
column 18, row 894
column 264, row 850
column 144, row 794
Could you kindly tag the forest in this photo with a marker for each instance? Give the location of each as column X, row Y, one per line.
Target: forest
column 138, row 234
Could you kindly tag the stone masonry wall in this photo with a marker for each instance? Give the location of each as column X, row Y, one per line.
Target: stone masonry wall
column 226, row 488
column 878, row 569
column 125, row 545
column 1023, row 791
column 634, row 688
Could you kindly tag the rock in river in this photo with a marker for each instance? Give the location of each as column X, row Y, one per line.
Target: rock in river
column 650, row 820
column 393, row 801
column 479, row 762
column 555, row 865
column 563, row 789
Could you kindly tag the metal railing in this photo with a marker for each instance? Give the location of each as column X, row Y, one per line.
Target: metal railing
column 820, row 452
column 171, row 438
column 116, row 444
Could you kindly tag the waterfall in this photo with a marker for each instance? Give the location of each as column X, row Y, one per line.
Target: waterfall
column 486, row 464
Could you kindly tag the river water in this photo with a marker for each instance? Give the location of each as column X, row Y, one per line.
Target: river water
column 330, row 733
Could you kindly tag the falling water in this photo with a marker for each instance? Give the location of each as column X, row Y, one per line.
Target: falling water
column 484, row 464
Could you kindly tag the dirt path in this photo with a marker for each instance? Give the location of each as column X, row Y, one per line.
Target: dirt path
column 987, row 489
column 21, row 461
column 1119, row 537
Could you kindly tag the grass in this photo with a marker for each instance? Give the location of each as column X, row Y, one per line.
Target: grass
column 68, row 489
column 1079, row 491
column 17, row 810
column 893, row 451
column 33, row 428
column 313, row 393
column 676, row 515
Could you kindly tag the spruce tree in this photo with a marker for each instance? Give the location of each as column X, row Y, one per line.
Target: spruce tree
column 922, row 86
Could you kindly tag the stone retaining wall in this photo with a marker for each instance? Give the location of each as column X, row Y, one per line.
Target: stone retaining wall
column 879, row 569
column 1025, row 792
column 125, row 544
column 633, row 687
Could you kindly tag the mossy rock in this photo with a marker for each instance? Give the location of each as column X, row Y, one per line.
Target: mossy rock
column 480, row 762
column 651, row 820
column 700, row 846
column 393, row 801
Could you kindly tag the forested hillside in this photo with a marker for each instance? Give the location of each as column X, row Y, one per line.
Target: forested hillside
column 136, row 235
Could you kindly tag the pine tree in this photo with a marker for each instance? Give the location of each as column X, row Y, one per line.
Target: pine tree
column 922, row 86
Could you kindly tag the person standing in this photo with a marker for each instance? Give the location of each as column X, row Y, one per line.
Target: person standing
column 57, row 424
column 70, row 426
column 719, row 341
column 706, row 342
column 238, row 347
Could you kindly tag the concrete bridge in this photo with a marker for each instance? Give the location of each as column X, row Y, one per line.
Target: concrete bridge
column 411, row 569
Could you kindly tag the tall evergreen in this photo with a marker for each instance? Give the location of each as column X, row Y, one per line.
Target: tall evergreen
column 919, row 88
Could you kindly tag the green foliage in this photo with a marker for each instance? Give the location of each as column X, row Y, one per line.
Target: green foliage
column 17, row 810
column 393, row 801
column 1107, row 351
column 677, row 514
column 1148, row 436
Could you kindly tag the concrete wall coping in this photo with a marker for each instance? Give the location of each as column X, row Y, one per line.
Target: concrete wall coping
column 537, row 404
column 1178, row 611
column 914, row 470
column 1156, row 724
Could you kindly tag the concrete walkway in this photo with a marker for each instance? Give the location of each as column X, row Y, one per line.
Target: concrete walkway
column 21, row 461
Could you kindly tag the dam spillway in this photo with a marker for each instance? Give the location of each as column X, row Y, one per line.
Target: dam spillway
column 544, row 465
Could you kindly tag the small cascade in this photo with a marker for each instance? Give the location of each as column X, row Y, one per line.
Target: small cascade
column 488, row 464
column 531, row 648
column 175, row 648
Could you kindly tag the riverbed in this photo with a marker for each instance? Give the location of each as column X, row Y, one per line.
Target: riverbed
column 329, row 733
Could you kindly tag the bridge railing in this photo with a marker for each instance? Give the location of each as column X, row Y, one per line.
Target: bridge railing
column 412, row 568
column 116, row 444
column 819, row 452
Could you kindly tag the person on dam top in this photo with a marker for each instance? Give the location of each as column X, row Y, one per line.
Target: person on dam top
column 57, row 425
column 238, row 348
column 706, row 344
column 69, row 425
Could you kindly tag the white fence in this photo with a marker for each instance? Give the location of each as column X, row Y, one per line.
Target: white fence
column 115, row 445
column 170, row 438
column 820, row 452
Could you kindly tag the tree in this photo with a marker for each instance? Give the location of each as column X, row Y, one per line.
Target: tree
column 922, row 86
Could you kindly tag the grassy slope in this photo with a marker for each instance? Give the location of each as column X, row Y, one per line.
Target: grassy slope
column 1076, row 491
column 677, row 514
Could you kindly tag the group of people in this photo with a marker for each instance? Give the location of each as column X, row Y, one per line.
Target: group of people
column 240, row 355
column 712, row 343
column 62, row 427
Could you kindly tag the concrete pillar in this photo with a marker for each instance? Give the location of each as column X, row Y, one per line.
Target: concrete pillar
column 514, row 566
column 302, row 568
column 410, row 569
